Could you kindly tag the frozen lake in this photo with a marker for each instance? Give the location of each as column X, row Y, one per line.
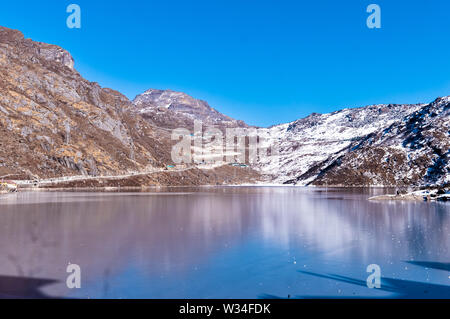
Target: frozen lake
column 224, row 242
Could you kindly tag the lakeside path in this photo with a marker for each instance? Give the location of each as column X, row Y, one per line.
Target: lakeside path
column 189, row 175
column 80, row 178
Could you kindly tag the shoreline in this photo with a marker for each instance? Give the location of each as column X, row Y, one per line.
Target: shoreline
column 427, row 195
column 149, row 187
column 431, row 195
column 119, row 184
column 144, row 187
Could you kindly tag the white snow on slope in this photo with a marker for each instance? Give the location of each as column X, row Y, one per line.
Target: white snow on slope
column 309, row 141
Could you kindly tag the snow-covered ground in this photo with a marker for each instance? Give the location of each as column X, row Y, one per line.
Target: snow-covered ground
column 420, row 195
column 323, row 137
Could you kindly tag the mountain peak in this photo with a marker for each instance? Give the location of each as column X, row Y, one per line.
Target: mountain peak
column 170, row 108
column 166, row 99
column 443, row 99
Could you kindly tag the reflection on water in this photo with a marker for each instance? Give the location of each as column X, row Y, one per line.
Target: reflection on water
column 244, row 242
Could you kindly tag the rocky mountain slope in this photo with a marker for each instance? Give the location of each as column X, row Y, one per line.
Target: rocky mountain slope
column 386, row 145
column 414, row 151
column 55, row 123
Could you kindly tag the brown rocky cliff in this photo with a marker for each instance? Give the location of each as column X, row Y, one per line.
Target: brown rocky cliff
column 55, row 123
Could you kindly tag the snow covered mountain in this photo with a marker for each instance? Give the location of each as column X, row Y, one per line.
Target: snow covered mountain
column 399, row 145
column 55, row 123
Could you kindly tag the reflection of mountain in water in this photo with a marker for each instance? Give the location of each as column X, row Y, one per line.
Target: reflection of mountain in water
column 157, row 235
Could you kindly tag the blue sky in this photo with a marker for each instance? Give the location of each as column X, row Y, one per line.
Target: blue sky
column 266, row 62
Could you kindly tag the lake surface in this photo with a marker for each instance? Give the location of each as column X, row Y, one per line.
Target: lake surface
column 225, row 242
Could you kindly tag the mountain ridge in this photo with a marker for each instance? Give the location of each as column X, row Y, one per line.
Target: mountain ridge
column 56, row 123
column 347, row 140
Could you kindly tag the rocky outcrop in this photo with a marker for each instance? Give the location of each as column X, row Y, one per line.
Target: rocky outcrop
column 441, row 194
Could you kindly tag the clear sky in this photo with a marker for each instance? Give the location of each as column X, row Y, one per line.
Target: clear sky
column 266, row 62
